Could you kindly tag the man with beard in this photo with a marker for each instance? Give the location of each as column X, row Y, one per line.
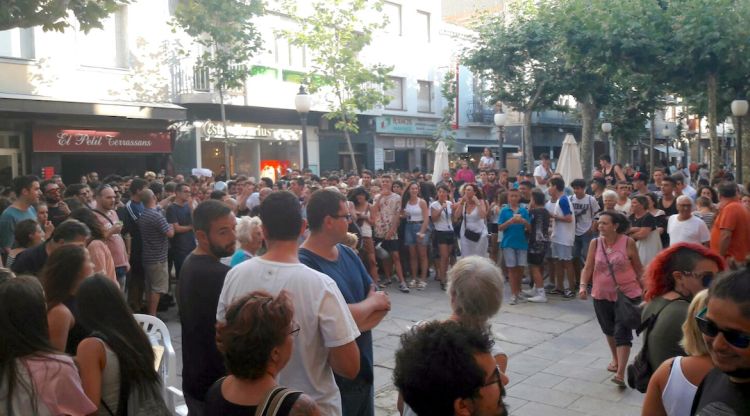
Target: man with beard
column 201, row 279
column 107, row 216
column 58, row 210
column 725, row 324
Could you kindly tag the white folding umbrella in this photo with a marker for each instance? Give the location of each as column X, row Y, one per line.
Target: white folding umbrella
column 441, row 162
column 569, row 164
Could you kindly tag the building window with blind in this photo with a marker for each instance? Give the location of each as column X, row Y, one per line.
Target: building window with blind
column 106, row 47
column 17, row 43
column 423, row 26
column 393, row 12
column 396, row 92
column 424, row 97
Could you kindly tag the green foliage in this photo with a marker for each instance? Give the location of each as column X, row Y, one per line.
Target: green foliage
column 444, row 131
column 226, row 32
column 56, row 14
column 334, row 35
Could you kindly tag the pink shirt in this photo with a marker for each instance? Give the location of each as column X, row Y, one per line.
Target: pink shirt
column 115, row 243
column 57, row 387
column 465, row 175
column 603, row 286
column 102, row 259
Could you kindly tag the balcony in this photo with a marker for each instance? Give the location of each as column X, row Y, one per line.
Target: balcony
column 476, row 113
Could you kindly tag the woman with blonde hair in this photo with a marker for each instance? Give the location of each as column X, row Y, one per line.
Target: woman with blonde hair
column 249, row 238
column 673, row 385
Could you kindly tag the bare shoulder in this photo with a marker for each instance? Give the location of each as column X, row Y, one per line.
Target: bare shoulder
column 304, row 406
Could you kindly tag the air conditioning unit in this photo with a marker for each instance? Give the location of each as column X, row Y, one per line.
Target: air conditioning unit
column 389, row 156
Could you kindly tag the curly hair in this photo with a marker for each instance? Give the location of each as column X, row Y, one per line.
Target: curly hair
column 676, row 258
column 435, row 366
column 255, row 324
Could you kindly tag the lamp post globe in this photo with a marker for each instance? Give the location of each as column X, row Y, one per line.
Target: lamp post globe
column 606, row 129
column 739, row 110
column 302, row 103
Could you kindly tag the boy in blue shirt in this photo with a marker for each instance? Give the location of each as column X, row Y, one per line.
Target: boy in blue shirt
column 514, row 222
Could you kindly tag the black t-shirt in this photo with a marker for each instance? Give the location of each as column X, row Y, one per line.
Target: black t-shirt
column 56, row 215
column 30, row 261
column 670, row 210
column 201, row 280
column 129, row 215
column 717, row 395
column 647, row 221
column 180, row 214
column 217, row 405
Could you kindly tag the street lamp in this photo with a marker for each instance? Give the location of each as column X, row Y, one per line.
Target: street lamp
column 739, row 109
column 665, row 134
column 606, row 129
column 302, row 102
column 500, row 123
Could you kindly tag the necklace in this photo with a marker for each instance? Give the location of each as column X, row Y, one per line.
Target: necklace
column 607, row 248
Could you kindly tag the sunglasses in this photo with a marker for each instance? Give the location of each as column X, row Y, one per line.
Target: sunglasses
column 295, row 329
column 736, row 339
column 706, row 277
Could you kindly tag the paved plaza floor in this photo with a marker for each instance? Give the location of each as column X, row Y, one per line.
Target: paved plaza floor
column 557, row 355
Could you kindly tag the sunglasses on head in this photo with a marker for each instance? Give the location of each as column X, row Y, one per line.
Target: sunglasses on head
column 707, row 327
column 706, row 277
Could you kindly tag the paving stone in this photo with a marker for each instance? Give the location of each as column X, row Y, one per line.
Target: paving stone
column 604, row 391
column 525, row 363
column 544, row 380
column 581, row 373
column 540, row 409
column 593, row 406
column 543, row 395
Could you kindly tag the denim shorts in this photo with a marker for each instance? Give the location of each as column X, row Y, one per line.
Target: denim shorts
column 561, row 252
column 410, row 234
column 514, row 257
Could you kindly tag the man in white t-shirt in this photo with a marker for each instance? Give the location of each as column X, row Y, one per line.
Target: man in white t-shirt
column 543, row 172
column 686, row 227
column 584, row 208
column 326, row 341
column 623, row 198
column 563, row 239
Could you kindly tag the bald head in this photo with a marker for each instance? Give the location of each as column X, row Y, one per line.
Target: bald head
column 148, row 198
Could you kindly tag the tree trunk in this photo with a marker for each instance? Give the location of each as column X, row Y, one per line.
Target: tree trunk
column 745, row 151
column 588, row 115
column 349, row 144
column 528, row 142
column 622, row 149
column 714, row 138
column 227, row 167
column 652, row 143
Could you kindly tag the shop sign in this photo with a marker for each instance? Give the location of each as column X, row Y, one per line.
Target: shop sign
column 405, row 125
column 55, row 139
column 213, row 130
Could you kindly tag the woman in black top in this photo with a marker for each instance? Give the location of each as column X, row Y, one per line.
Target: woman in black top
column 256, row 342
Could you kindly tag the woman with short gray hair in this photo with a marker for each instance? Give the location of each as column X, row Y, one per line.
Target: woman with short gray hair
column 249, row 238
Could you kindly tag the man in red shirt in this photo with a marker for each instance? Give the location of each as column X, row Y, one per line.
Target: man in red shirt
column 465, row 174
column 730, row 234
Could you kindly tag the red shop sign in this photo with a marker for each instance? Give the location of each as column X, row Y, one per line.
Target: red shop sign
column 54, row 139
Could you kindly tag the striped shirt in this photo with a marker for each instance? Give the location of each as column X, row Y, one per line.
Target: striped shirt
column 154, row 228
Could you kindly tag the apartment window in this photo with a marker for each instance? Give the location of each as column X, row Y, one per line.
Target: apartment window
column 106, row 47
column 392, row 11
column 424, row 97
column 396, row 92
column 17, row 43
column 423, row 26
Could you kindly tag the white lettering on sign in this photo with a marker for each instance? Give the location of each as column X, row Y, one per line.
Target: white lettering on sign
column 83, row 139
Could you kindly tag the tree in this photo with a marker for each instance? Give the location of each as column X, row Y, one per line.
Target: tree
column 514, row 54
column 335, row 34
column 229, row 39
column 710, row 51
column 444, row 129
column 56, row 14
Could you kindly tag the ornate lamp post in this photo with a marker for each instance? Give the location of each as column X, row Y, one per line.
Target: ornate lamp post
column 303, row 102
column 500, row 123
column 739, row 109
column 606, row 129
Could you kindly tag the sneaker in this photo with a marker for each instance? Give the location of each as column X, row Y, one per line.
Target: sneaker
column 568, row 294
column 553, row 291
column 402, row 287
column 383, row 284
column 540, row 297
column 413, row 283
column 526, row 281
column 443, row 286
column 421, row 285
column 529, row 293
column 515, row 300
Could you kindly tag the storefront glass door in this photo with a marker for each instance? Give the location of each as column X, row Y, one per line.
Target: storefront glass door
column 9, row 159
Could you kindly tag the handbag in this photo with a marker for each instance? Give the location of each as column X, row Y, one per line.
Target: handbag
column 626, row 310
column 274, row 400
column 470, row 235
column 639, row 373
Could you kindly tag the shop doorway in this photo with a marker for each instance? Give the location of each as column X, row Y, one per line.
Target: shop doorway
column 10, row 161
column 75, row 166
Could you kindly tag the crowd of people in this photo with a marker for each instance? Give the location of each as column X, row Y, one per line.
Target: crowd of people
column 278, row 285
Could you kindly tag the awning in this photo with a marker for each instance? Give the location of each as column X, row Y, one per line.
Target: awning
column 22, row 103
column 673, row 152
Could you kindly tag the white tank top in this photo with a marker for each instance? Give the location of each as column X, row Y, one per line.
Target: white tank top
column 678, row 394
column 413, row 212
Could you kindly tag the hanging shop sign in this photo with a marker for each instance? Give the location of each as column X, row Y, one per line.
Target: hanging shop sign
column 57, row 139
column 405, row 125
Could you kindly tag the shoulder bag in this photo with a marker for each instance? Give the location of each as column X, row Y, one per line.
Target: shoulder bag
column 639, row 373
column 470, row 235
column 271, row 404
column 626, row 310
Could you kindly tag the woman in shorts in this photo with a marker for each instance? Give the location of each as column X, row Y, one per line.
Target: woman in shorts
column 539, row 243
column 441, row 211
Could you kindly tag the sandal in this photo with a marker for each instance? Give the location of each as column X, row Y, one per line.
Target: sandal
column 612, row 367
column 619, row 381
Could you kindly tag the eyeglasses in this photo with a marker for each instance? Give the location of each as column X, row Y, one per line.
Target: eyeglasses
column 347, row 216
column 295, row 329
column 735, row 338
column 495, row 379
column 706, row 277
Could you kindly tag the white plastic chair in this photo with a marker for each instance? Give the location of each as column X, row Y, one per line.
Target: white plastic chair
column 158, row 334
